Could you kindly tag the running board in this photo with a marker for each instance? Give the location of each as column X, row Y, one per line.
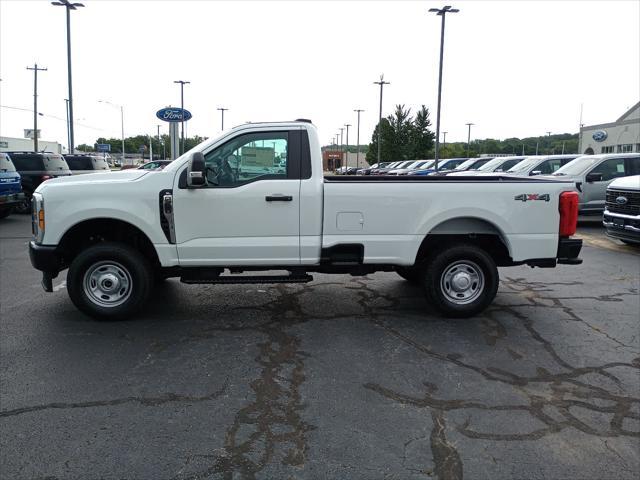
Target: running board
column 230, row 279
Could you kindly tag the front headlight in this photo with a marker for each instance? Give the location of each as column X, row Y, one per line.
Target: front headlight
column 37, row 217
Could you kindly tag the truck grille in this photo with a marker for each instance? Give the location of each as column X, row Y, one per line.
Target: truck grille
column 631, row 207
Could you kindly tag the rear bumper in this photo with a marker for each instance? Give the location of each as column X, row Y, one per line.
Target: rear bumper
column 11, row 199
column 568, row 251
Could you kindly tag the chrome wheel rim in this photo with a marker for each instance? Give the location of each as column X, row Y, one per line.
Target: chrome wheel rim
column 462, row 282
column 107, row 284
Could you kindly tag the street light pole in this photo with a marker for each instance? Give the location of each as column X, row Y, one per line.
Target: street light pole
column 69, row 6
column 121, row 123
column 341, row 146
column 222, row 110
column 469, row 137
column 182, row 84
column 66, row 104
column 382, row 83
column 442, row 12
column 549, row 137
column 35, row 69
column 346, row 160
column 358, row 111
column 444, row 139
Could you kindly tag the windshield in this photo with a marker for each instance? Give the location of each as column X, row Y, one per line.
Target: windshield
column 467, row 164
column 526, row 164
column 427, row 164
column 577, row 166
column 404, row 164
column 6, row 165
column 491, row 165
column 391, row 165
column 55, row 162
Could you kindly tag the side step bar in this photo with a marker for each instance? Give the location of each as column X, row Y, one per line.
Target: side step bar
column 230, row 279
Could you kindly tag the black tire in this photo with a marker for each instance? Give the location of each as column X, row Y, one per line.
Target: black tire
column 410, row 274
column 109, row 281
column 5, row 212
column 460, row 266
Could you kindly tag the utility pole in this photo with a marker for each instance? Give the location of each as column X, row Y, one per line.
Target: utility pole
column 469, row 137
column 442, row 12
column 444, row 139
column 358, row 111
column 35, row 69
column 182, row 84
column 382, row 83
column 549, row 137
column 69, row 6
column 346, row 157
column 222, row 110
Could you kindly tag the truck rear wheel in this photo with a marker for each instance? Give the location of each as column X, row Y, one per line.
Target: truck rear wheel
column 109, row 281
column 461, row 281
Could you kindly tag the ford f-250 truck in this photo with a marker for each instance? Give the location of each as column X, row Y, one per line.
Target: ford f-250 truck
column 205, row 219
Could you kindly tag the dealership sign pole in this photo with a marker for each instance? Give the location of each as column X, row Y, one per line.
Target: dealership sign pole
column 174, row 116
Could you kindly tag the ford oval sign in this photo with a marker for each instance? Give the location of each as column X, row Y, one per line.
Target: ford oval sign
column 599, row 136
column 621, row 200
column 171, row 114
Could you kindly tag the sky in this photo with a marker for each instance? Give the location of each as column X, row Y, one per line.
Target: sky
column 513, row 68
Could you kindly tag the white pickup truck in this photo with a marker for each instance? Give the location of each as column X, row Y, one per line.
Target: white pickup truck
column 205, row 221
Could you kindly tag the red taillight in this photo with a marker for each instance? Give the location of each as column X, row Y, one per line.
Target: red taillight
column 46, row 177
column 568, row 213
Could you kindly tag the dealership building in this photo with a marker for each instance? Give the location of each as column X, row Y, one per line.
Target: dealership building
column 621, row 136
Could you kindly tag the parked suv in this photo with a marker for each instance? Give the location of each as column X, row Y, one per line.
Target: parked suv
column 10, row 188
column 622, row 209
column 35, row 168
column 593, row 173
column 79, row 164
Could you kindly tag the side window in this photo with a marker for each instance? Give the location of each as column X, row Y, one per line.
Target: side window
column 549, row 166
column 248, row 158
column 610, row 169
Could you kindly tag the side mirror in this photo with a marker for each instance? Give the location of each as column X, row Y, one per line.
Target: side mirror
column 594, row 177
column 536, row 172
column 196, row 171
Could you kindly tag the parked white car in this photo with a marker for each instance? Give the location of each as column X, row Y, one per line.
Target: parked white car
column 197, row 218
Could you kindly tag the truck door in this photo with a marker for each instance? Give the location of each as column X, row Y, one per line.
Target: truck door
column 595, row 192
column 249, row 211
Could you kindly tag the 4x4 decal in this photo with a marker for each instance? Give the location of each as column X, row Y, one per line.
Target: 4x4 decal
column 525, row 197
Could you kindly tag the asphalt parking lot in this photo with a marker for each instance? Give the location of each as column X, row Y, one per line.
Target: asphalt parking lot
column 340, row 378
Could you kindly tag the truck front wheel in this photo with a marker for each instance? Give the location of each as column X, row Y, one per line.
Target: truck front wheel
column 461, row 281
column 109, row 281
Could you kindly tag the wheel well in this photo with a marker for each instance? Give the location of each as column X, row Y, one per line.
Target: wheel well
column 90, row 232
column 469, row 230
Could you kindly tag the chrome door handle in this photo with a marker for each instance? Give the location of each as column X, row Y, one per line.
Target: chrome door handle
column 278, row 198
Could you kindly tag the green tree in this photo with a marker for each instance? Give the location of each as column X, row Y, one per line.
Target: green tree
column 422, row 138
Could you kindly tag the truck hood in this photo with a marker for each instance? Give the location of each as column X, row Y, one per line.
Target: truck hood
column 631, row 183
column 105, row 177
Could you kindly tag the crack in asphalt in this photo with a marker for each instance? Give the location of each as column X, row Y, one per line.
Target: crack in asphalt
column 271, row 425
column 565, row 389
column 144, row 401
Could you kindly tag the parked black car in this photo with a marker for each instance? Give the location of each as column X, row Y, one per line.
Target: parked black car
column 34, row 168
column 79, row 163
